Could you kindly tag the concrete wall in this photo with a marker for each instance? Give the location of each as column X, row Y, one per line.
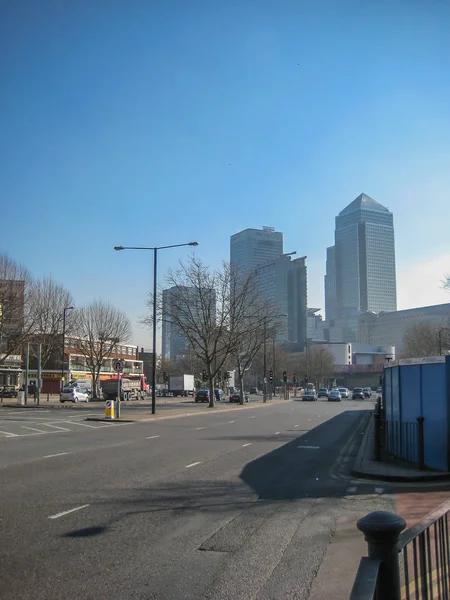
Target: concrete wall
column 421, row 387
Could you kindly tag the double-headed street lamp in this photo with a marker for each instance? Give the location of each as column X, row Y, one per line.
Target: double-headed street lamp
column 155, row 268
column 63, row 344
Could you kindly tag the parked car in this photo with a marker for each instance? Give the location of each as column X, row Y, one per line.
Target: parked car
column 218, row 393
column 334, row 396
column 379, row 390
column 73, row 394
column 236, row 397
column 9, row 391
column 358, row 394
column 202, row 395
column 322, row 393
column 367, row 392
column 254, row 390
column 344, row 392
column 310, row 395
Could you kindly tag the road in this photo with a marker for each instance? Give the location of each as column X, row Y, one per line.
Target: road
column 234, row 504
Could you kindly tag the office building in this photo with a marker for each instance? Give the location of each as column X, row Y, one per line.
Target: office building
column 315, row 325
column 362, row 262
column 251, row 248
column 390, row 328
column 283, row 283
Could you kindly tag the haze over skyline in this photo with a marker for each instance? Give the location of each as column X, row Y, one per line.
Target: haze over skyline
column 144, row 124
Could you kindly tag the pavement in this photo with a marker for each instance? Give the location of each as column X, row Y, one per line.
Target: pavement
column 254, row 502
column 366, row 466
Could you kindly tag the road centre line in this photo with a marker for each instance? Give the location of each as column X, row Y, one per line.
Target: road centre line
column 152, row 437
column 230, row 421
column 277, row 432
column 66, row 512
column 295, row 425
column 245, row 445
column 193, row 465
column 53, row 455
column 309, row 447
column 198, row 428
column 252, row 417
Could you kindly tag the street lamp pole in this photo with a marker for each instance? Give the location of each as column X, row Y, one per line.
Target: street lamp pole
column 155, row 270
column 64, row 343
column 265, row 363
column 274, row 372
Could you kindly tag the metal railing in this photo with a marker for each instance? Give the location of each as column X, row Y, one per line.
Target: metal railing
column 401, row 440
column 413, row 565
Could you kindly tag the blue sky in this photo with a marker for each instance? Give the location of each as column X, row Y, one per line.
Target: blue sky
column 152, row 123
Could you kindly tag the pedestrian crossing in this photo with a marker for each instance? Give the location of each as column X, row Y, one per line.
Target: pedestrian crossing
column 14, row 425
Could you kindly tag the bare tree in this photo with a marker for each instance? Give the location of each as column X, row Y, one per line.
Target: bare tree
column 16, row 323
column 47, row 301
column 446, row 283
column 424, row 339
column 99, row 327
column 207, row 308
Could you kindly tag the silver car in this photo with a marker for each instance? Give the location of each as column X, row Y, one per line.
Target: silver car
column 334, row 396
column 74, row 394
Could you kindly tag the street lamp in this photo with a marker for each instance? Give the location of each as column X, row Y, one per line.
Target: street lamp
column 155, row 268
column 64, row 343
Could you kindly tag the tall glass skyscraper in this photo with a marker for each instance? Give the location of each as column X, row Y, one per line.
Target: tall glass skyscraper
column 362, row 263
column 251, row 248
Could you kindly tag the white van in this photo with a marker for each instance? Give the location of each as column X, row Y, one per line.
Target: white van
column 84, row 384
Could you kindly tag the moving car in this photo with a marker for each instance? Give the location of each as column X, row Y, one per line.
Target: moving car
column 358, row 394
column 310, row 395
column 322, row 393
column 367, row 392
column 253, row 390
column 73, row 394
column 344, row 392
column 202, row 396
column 334, row 396
column 218, row 393
column 236, row 397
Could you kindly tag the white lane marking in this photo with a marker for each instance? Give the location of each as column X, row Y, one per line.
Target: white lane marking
column 193, row 465
column 309, row 420
column 277, row 432
column 33, row 429
column 32, row 410
column 245, row 445
column 56, row 427
column 8, row 434
column 152, row 437
column 379, row 490
column 309, row 447
column 230, row 421
column 199, row 428
column 52, row 455
column 351, row 490
column 295, row 425
column 252, row 417
column 66, row 512
column 82, row 424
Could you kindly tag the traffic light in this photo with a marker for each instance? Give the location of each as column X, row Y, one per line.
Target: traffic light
column 294, row 379
column 165, row 377
column 204, row 377
column 228, row 375
column 219, row 375
column 271, row 376
column 284, row 376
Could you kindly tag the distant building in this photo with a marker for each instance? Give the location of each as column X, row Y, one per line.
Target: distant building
column 362, row 262
column 389, row 328
column 251, row 248
column 316, row 325
column 283, row 282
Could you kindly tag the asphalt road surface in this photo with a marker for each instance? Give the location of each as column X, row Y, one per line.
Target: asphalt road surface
column 236, row 504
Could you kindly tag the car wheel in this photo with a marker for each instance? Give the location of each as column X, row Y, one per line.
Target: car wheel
column 75, row 399
column 196, row 400
column 62, row 401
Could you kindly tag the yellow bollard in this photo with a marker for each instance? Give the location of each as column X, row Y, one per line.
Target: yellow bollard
column 110, row 409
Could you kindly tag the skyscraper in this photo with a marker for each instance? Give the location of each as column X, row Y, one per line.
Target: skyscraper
column 364, row 264
column 251, row 248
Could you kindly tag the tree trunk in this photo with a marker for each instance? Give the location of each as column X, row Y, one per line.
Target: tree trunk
column 212, row 398
column 241, row 388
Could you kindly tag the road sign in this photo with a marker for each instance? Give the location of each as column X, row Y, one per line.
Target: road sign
column 109, row 409
column 118, row 365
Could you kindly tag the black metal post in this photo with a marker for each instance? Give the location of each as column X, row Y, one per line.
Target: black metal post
column 377, row 436
column 420, row 444
column 381, row 531
column 265, row 364
column 274, row 372
column 155, row 267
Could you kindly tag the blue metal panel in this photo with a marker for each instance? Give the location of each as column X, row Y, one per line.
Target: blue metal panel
column 396, row 413
column 435, row 411
column 410, row 392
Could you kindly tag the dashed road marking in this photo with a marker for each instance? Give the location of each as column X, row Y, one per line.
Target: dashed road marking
column 295, row 425
column 277, row 432
column 245, row 445
column 66, row 512
column 199, row 428
column 193, row 465
column 351, row 490
column 230, row 421
column 53, row 455
column 252, row 417
column 379, row 490
column 309, row 420
column 309, row 447
column 56, row 427
column 33, row 429
column 152, row 437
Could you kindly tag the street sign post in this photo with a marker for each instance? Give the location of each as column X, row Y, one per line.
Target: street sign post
column 118, row 365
